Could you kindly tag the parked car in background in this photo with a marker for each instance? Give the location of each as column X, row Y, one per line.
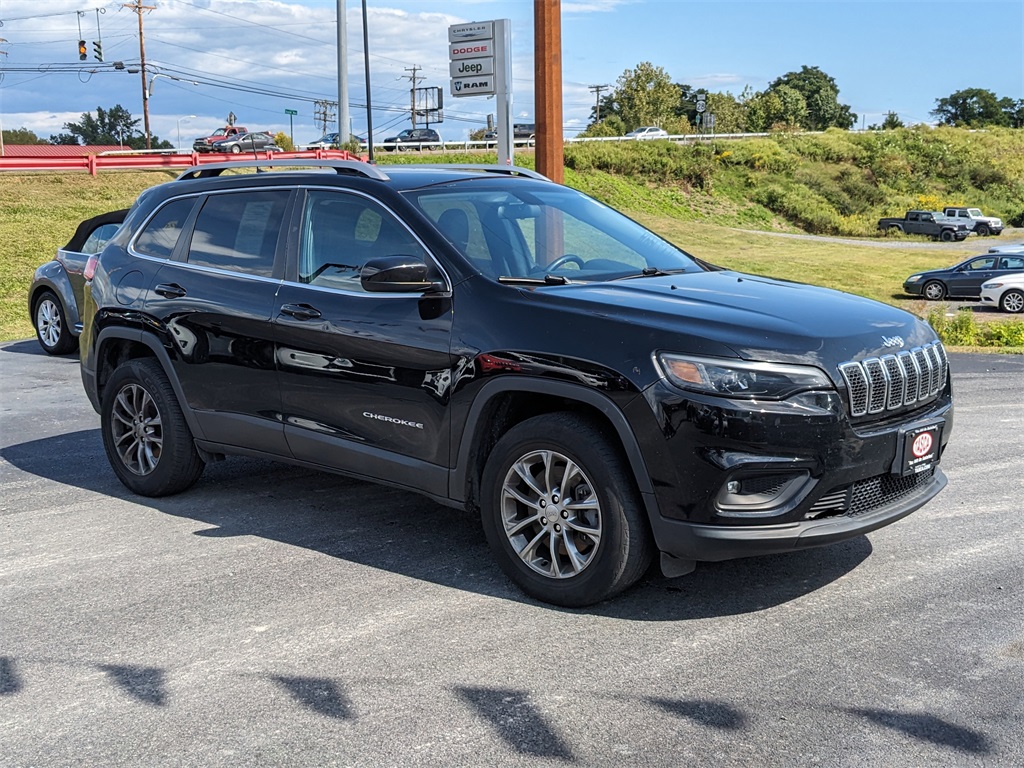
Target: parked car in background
column 1008, row 248
column 205, row 143
column 258, row 141
column 327, row 141
column 934, row 224
column 962, row 280
column 977, row 222
column 522, row 133
column 1006, row 292
column 507, row 345
column 648, row 132
column 413, row 138
column 55, row 295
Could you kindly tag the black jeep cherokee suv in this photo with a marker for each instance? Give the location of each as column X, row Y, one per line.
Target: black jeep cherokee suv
column 496, row 341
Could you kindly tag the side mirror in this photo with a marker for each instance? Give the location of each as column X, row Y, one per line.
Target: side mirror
column 397, row 274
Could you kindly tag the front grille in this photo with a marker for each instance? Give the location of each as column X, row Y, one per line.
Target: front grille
column 867, row 495
column 890, row 382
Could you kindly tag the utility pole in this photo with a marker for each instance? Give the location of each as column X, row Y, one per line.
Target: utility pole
column 547, row 62
column 412, row 92
column 596, row 89
column 138, row 7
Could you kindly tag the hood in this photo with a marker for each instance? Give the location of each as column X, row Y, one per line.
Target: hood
column 752, row 317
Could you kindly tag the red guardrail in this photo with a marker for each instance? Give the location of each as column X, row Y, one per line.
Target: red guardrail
column 95, row 163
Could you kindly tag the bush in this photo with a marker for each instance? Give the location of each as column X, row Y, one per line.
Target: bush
column 284, row 141
column 963, row 330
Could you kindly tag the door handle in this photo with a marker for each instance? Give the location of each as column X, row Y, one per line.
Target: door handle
column 170, row 290
column 300, row 311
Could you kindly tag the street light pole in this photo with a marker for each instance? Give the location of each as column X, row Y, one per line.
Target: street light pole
column 178, row 123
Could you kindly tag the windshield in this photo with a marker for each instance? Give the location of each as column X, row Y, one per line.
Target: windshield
column 535, row 229
column 975, row 212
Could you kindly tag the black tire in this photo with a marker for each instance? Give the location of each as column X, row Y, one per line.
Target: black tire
column 139, row 402
column 605, row 502
column 934, row 290
column 947, row 235
column 1012, row 301
column 53, row 331
column 982, row 230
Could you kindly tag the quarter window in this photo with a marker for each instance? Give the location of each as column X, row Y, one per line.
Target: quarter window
column 161, row 233
column 239, row 231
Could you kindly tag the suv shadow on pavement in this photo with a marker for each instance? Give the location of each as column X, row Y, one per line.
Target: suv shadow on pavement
column 406, row 534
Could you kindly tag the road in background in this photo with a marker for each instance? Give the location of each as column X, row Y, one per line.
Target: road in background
column 277, row 616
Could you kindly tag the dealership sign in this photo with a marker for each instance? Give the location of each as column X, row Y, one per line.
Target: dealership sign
column 471, row 59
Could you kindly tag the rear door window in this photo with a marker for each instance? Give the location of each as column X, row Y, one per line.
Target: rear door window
column 239, row 231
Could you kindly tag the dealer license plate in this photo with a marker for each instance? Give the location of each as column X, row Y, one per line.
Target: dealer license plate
column 920, row 447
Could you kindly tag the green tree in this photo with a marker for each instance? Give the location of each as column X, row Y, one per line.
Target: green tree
column 610, row 126
column 284, row 141
column 730, row 113
column 976, row 108
column 21, row 136
column 110, row 126
column 646, row 96
column 778, row 107
column 821, row 96
column 892, row 121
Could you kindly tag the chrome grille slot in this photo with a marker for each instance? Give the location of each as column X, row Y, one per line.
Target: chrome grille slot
column 895, row 381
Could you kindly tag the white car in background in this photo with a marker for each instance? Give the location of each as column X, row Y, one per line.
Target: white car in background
column 1006, row 292
column 648, row 132
column 1010, row 248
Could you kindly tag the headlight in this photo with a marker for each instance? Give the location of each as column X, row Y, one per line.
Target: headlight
column 913, row 278
column 988, row 286
column 739, row 378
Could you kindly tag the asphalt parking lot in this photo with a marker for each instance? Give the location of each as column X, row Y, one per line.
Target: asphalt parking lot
column 276, row 616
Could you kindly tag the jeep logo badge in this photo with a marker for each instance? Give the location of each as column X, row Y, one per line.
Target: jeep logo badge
column 892, row 341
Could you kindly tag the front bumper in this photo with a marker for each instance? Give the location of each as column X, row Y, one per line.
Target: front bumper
column 915, row 288
column 712, row 543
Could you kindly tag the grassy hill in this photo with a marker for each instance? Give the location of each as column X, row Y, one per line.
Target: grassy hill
column 723, row 200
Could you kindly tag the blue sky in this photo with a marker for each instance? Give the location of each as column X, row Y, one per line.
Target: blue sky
column 898, row 56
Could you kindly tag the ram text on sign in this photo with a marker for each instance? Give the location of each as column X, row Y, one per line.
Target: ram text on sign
column 473, row 50
column 473, row 86
column 471, row 67
column 483, row 30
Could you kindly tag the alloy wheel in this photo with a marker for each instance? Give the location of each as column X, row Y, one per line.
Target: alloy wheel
column 49, row 322
column 137, row 429
column 551, row 514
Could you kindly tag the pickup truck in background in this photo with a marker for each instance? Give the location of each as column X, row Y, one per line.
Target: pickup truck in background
column 931, row 223
column 205, row 143
column 975, row 220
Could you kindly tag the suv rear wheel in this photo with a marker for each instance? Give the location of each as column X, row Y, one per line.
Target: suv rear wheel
column 562, row 514
column 52, row 326
column 147, row 440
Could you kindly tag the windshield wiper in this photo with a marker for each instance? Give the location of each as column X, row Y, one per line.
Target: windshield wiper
column 546, row 280
column 653, row 272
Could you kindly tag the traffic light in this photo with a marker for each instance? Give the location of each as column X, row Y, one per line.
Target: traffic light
column 83, row 54
column 97, row 49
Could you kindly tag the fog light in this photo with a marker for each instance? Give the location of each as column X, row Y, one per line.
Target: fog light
column 762, row 495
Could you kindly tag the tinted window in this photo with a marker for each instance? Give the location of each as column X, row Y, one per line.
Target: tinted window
column 161, row 233
column 1012, row 262
column 239, row 231
column 99, row 237
column 341, row 232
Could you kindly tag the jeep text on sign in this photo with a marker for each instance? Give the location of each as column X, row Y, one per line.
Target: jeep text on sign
column 471, row 68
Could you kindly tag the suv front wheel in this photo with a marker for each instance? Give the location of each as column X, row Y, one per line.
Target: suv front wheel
column 147, row 440
column 561, row 513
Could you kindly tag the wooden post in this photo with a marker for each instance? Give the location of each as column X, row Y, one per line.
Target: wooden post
column 547, row 59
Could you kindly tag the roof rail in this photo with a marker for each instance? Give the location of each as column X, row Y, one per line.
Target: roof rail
column 342, row 167
column 508, row 170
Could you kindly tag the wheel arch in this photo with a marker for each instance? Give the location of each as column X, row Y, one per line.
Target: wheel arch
column 503, row 403
column 115, row 346
column 57, row 282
